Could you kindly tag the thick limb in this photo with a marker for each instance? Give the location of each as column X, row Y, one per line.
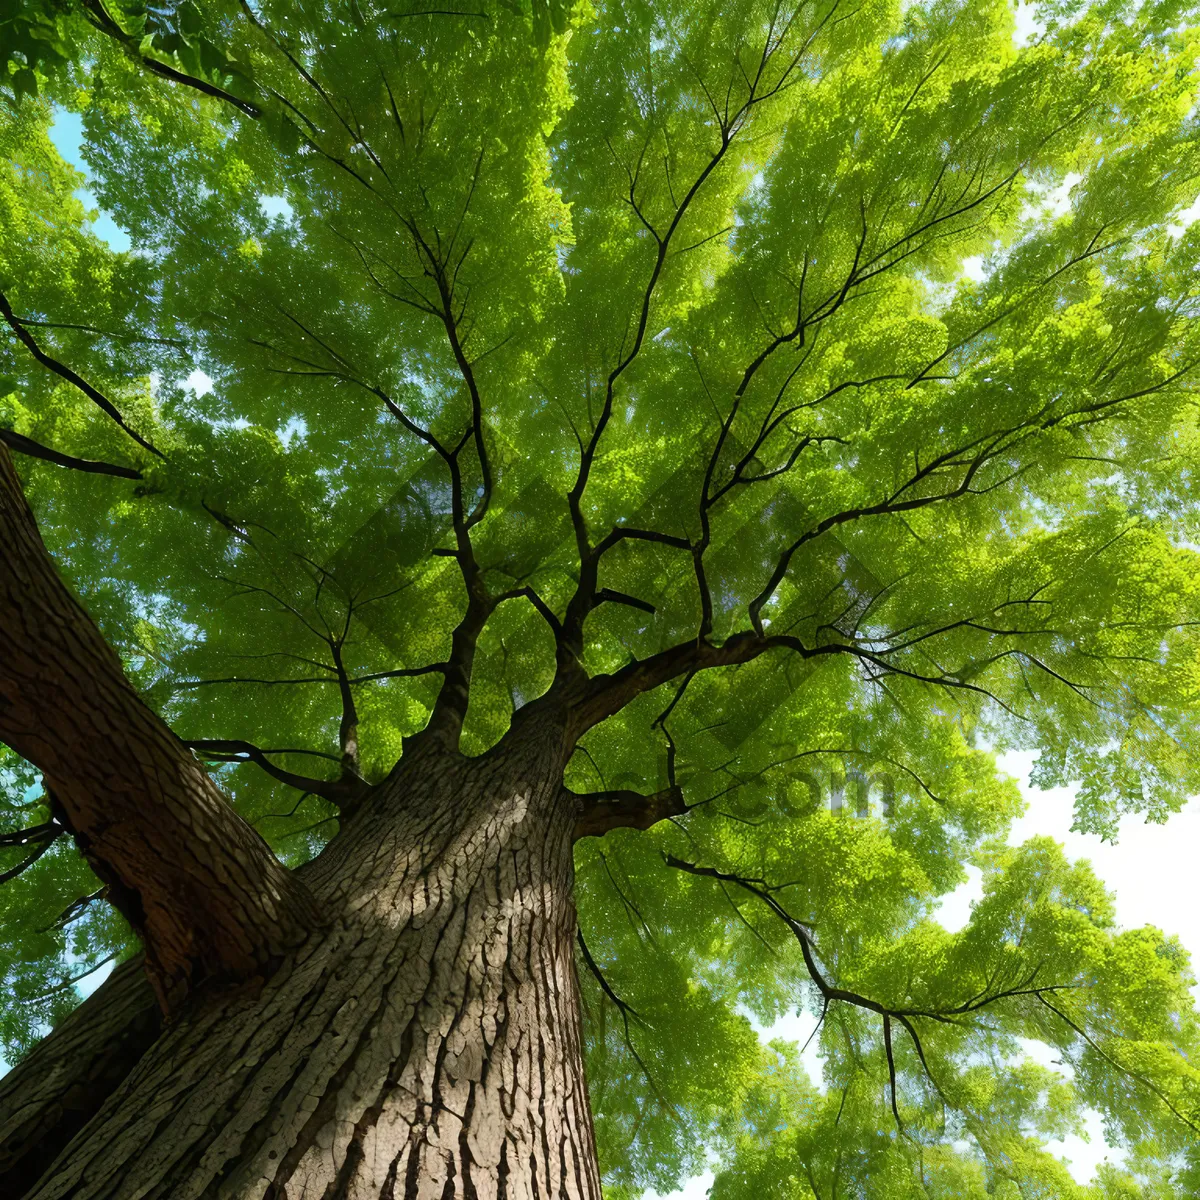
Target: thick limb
column 202, row 889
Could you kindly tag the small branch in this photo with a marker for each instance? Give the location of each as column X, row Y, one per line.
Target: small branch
column 47, row 841
column 905, row 1016
column 626, row 1011
column 74, row 979
column 624, row 598
column 76, row 909
column 198, row 683
column 1135, row 1076
column 343, row 793
column 100, row 19
column 64, row 372
column 891, row 1065
column 35, row 833
column 175, row 343
column 401, row 673
column 623, row 1007
column 348, row 727
column 544, row 610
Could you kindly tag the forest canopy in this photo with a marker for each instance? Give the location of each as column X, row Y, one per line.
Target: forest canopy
column 795, row 398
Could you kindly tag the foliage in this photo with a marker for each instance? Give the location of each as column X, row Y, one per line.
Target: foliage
column 675, row 295
column 55, row 931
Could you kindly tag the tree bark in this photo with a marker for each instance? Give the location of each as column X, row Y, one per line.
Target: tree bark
column 424, row 1044
column 203, row 890
column 48, row 1097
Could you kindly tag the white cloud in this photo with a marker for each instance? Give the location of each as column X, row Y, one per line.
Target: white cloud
column 1185, row 218
column 972, row 268
column 199, row 382
column 1028, row 27
column 954, row 909
column 696, row 1188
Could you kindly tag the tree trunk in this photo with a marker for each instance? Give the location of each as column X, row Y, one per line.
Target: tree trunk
column 424, row 1043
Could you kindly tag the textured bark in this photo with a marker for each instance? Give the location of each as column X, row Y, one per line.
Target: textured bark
column 50, row 1095
column 201, row 887
column 424, row 1044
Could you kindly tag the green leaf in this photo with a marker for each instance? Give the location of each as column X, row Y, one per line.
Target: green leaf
column 189, row 17
column 23, row 83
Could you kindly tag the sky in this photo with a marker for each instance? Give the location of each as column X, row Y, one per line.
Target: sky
column 67, row 135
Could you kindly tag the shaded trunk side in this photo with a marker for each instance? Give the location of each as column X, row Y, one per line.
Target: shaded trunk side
column 48, row 1097
column 425, row 1045
column 200, row 886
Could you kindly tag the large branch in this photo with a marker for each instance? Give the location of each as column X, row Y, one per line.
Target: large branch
column 450, row 707
column 24, row 445
column 598, row 812
column 201, row 888
column 605, row 695
column 729, row 125
column 344, row 793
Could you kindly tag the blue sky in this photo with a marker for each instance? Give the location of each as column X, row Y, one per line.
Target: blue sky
column 67, row 135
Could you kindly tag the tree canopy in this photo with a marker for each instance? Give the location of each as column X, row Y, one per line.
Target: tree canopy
column 812, row 383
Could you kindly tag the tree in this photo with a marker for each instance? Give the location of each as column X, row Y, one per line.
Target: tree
column 530, row 460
